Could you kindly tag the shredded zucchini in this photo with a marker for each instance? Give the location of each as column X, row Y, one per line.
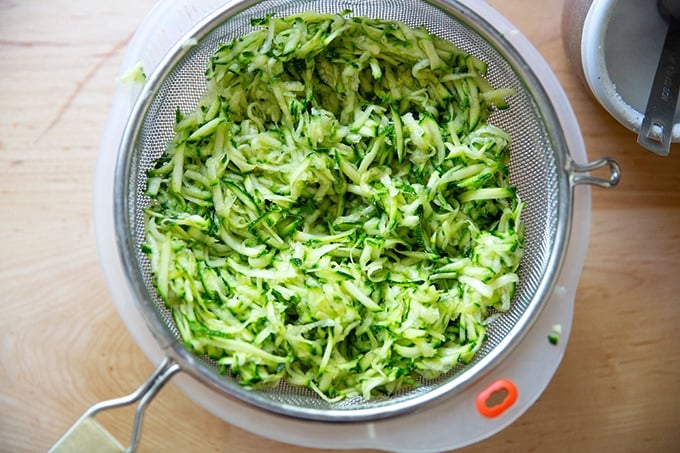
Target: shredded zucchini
column 336, row 212
column 554, row 336
column 132, row 76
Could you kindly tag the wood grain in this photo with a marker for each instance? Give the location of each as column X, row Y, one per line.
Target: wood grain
column 63, row 346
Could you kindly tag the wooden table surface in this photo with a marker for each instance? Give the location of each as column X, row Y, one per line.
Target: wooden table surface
column 64, row 347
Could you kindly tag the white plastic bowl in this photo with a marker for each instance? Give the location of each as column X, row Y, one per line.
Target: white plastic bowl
column 616, row 45
column 452, row 424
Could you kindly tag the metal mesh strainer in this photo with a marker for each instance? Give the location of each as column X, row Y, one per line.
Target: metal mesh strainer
column 537, row 163
column 540, row 167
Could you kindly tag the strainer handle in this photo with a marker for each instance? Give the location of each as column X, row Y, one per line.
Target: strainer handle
column 86, row 434
column 580, row 175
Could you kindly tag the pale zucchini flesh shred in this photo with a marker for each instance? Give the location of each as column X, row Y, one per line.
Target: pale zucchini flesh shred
column 337, row 211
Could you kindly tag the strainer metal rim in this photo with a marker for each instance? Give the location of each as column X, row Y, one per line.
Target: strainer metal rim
column 189, row 363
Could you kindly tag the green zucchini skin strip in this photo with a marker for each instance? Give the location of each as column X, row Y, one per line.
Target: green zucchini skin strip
column 337, row 211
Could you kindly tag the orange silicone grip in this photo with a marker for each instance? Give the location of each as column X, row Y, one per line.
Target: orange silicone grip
column 496, row 398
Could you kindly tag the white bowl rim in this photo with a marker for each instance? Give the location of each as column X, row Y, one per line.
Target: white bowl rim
column 596, row 72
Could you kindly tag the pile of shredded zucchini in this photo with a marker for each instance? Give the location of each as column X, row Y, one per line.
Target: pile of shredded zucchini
column 336, row 212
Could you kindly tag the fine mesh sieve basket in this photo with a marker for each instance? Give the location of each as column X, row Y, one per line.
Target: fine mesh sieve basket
column 541, row 168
